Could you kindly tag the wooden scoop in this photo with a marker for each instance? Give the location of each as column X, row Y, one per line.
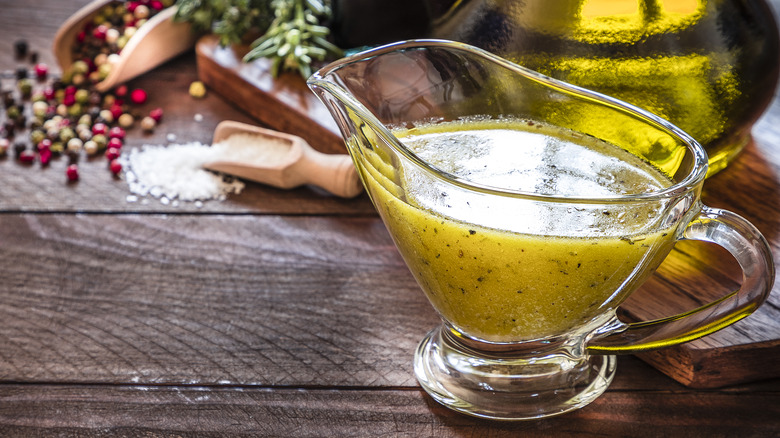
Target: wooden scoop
column 155, row 42
column 300, row 165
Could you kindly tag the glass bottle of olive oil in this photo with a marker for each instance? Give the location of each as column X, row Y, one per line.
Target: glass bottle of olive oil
column 708, row 66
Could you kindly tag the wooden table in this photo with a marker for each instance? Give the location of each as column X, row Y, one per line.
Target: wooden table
column 273, row 313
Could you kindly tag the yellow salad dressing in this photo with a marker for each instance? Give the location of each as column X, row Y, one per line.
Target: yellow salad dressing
column 502, row 285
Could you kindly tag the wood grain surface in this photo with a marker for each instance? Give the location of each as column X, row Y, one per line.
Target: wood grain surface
column 290, row 313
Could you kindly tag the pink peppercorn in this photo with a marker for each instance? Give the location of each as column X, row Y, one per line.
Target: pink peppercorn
column 156, row 114
column 70, row 90
column 72, row 172
column 121, row 91
column 131, row 6
column 44, row 155
column 116, row 132
column 81, row 36
column 112, row 154
column 138, row 96
column 100, row 32
column 116, row 111
column 115, row 143
column 115, row 166
column 27, row 156
column 69, row 99
column 48, row 93
column 41, row 70
column 44, row 144
column 156, row 5
column 99, row 128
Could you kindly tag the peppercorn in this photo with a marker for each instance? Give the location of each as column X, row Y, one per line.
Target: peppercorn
column 148, row 124
column 116, row 132
column 79, row 67
column 100, row 140
column 72, row 172
column 9, row 127
column 74, row 145
column 115, row 166
column 112, row 154
column 138, row 96
column 21, row 73
column 41, row 71
column 57, row 148
column 13, row 111
column 19, row 147
column 40, row 108
column 99, row 128
column 66, row 134
column 126, row 120
column 25, row 87
column 8, row 98
column 20, row 48
column 197, row 89
column 36, row 136
column 4, row 144
column 156, row 114
column 91, row 148
column 115, row 143
column 107, row 116
column 26, row 156
column 44, row 156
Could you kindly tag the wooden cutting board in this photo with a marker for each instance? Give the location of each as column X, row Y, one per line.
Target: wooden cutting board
column 284, row 103
column 695, row 273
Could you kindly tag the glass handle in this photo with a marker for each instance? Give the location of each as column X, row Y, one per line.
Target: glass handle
column 748, row 246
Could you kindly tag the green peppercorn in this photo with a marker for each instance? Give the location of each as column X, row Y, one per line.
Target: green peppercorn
column 74, row 110
column 66, row 134
column 82, row 96
column 57, row 148
column 36, row 136
column 13, row 111
column 79, row 67
column 100, row 140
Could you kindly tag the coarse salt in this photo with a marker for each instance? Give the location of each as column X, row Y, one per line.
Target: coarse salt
column 175, row 172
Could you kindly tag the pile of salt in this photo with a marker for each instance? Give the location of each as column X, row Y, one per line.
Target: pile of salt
column 175, row 172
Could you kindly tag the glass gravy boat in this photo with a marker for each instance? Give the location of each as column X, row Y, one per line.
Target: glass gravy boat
column 527, row 276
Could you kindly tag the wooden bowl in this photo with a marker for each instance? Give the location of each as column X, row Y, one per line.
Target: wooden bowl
column 155, row 42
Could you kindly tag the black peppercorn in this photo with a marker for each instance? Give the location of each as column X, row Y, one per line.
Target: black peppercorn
column 21, row 73
column 34, row 58
column 19, row 147
column 20, row 48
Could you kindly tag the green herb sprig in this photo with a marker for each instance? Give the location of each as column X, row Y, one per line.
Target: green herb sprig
column 295, row 38
column 292, row 34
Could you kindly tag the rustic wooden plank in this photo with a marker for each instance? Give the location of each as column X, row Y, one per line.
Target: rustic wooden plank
column 46, row 410
column 204, row 300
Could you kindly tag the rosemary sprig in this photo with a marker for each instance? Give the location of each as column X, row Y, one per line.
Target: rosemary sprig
column 295, row 37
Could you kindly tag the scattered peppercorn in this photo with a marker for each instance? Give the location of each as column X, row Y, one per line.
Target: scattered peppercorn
column 72, row 172
column 148, row 124
column 138, row 96
column 197, row 89
column 20, row 48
